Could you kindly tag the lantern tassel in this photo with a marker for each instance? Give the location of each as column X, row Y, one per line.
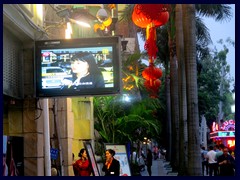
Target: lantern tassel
column 150, row 44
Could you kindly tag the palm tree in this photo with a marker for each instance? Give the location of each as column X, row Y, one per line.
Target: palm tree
column 173, row 89
column 220, row 12
column 182, row 92
column 214, row 10
column 189, row 25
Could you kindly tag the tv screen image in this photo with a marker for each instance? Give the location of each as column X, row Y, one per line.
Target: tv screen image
column 78, row 67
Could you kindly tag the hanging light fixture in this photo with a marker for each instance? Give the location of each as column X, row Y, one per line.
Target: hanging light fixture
column 67, row 15
column 105, row 20
column 102, row 15
column 68, row 31
column 81, row 23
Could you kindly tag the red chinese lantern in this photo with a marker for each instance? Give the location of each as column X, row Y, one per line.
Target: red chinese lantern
column 140, row 19
column 152, row 72
column 164, row 17
column 150, row 16
column 158, row 73
column 148, row 73
column 152, row 84
column 157, row 82
column 144, row 14
column 152, row 87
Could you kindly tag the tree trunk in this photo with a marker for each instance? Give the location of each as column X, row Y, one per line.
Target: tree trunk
column 189, row 29
column 182, row 92
column 174, row 97
column 169, row 123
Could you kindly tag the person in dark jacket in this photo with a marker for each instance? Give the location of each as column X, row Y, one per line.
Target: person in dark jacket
column 85, row 73
column 149, row 162
column 111, row 166
column 226, row 163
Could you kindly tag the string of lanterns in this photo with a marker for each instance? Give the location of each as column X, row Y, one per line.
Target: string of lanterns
column 151, row 16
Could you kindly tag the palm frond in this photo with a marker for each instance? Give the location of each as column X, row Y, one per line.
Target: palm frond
column 127, row 13
column 203, row 35
column 220, row 12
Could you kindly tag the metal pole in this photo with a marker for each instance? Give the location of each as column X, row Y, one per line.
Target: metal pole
column 46, row 138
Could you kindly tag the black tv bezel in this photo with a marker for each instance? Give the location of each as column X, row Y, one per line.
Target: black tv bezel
column 112, row 41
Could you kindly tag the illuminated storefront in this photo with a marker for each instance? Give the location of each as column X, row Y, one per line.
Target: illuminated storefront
column 224, row 134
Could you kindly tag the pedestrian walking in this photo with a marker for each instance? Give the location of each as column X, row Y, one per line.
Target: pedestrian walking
column 155, row 152
column 149, row 162
column 141, row 163
column 204, row 160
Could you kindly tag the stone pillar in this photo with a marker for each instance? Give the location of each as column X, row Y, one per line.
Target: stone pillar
column 204, row 132
column 64, row 127
column 33, row 138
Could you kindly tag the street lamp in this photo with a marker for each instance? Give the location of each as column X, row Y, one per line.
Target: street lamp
column 145, row 143
column 126, row 98
column 233, row 108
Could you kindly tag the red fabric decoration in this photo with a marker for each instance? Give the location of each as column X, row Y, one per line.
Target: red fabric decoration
column 150, row 44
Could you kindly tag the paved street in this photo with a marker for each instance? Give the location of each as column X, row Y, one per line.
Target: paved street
column 159, row 168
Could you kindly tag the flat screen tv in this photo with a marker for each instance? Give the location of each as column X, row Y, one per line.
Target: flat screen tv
column 78, row 67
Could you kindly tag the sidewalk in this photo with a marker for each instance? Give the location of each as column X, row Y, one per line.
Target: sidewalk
column 159, row 168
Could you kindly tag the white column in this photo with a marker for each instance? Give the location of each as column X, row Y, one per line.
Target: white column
column 47, row 159
column 204, row 131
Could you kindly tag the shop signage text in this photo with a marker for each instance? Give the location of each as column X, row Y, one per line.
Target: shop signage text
column 220, row 134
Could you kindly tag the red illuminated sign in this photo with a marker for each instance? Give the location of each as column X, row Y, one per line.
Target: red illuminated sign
column 226, row 126
column 231, row 143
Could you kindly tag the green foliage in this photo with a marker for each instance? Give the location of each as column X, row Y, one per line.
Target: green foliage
column 119, row 122
column 127, row 15
column 214, row 73
column 228, row 101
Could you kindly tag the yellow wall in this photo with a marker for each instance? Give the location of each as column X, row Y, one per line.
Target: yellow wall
column 82, row 112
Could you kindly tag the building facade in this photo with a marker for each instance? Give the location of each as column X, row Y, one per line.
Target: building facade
column 70, row 119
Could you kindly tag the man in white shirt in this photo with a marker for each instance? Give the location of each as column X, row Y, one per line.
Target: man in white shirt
column 212, row 163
